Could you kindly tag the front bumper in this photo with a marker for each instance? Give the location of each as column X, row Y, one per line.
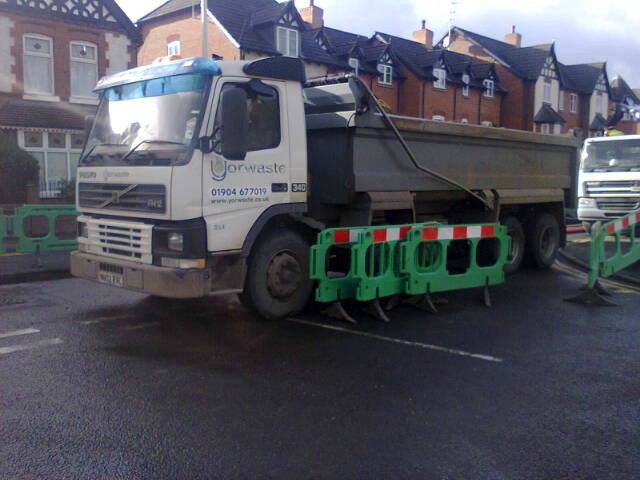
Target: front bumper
column 151, row 279
column 593, row 215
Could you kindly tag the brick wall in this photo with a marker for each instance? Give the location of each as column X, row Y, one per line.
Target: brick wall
column 467, row 107
column 388, row 94
column 490, row 109
column 61, row 34
column 411, row 96
column 439, row 102
column 572, row 120
column 157, row 34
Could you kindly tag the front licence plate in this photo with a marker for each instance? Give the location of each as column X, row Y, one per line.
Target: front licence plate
column 111, row 279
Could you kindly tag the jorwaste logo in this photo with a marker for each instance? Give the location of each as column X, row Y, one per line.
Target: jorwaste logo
column 221, row 169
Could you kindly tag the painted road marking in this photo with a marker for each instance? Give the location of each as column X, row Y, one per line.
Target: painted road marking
column 30, row 346
column 580, row 275
column 425, row 346
column 17, row 333
column 141, row 326
column 104, row 320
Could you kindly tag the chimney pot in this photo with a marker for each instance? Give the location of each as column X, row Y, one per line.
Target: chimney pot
column 424, row 24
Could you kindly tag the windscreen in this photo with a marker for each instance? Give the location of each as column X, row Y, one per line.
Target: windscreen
column 152, row 122
column 612, row 156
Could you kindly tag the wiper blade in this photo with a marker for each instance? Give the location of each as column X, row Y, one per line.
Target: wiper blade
column 151, row 142
column 88, row 154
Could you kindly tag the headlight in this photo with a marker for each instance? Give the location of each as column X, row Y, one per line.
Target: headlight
column 587, row 202
column 83, row 230
column 175, row 242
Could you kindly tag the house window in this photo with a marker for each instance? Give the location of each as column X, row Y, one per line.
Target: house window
column 441, row 78
column 386, row 74
column 561, row 101
column 489, row 88
column 57, row 154
column 487, row 123
column 599, row 103
column 438, row 118
column 573, row 103
column 38, row 65
column 174, row 48
column 546, row 94
column 288, row 42
column 464, row 121
column 84, row 69
column 545, row 129
column 465, row 86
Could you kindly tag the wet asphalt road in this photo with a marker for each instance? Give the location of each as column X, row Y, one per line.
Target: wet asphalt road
column 101, row 383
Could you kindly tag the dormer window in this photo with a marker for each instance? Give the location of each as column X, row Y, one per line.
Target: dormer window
column 465, row 85
column 288, row 41
column 441, row 78
column 489, row 88
column 386, row 74
column 321, row 43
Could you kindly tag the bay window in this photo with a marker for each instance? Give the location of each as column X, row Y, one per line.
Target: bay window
column 441, row 78
column 38, row 65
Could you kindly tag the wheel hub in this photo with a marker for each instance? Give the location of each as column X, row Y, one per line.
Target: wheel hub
column 284, row 275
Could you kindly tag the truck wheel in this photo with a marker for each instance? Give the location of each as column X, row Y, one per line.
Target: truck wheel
column 517, row 248
column 543, row 241
column 277, row 283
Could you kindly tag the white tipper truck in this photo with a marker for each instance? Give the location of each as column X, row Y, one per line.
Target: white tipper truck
column 201, row 177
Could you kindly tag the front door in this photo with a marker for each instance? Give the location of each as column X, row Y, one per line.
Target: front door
column 236, row 193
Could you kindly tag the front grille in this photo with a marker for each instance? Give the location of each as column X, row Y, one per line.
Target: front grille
column 613, row 188
column 108, row 268
column 123, row 197
column 618, row 205
column 118, row 239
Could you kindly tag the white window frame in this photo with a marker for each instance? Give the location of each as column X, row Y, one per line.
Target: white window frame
column 573, row 103
column 489, row 88
column 465, row 85
column 464, row 121
column 385, row 76
column 50, row 55
column 286, row 50
column 561, row 101
column 546, row 92
column 438, row 118
column 46, row 150
column 545, row 129
column 92, row 99
column 174, row 48
column 486, row 123
column 441, row 78
column 599, row 103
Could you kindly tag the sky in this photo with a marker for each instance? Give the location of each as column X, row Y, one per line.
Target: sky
column 585, row 31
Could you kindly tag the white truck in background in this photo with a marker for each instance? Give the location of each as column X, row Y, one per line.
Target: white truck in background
column 609, row 180
column 201, row 177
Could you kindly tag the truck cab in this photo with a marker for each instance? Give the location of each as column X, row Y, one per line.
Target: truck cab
column 185, row 164
column 609, row 180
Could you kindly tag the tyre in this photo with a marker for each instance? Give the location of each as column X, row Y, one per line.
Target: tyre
column 277, row 283
column 518, row 244
column 543, row 241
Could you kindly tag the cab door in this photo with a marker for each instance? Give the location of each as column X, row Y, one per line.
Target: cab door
column 236, row 193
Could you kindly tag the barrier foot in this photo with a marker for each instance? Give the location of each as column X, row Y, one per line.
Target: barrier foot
column 592, row 296
column 598, row 287
column 336, row 310
column 486, row 296
column 423, row 302
column 393, row 302
column 375, row 310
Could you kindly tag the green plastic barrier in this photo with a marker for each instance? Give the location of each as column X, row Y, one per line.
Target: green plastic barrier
column 3, row 232
column 601, row 265
column 331, row 286
column 425, row 261
column 35, row 228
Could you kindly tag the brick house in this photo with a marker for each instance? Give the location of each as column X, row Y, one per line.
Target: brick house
column 52, row 54
column 543, row 94
column 623, row 94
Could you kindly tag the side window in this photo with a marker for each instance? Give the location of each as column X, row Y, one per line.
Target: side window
column 263, row 105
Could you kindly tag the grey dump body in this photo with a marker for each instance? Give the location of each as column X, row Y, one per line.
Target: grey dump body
column 353, row 153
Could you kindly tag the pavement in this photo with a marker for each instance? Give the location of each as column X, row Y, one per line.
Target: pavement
column 97, row 382
column 17, row 268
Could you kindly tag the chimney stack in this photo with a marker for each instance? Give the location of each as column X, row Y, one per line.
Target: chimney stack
column 313, row 15
column 424, row 35
column 513, row 38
